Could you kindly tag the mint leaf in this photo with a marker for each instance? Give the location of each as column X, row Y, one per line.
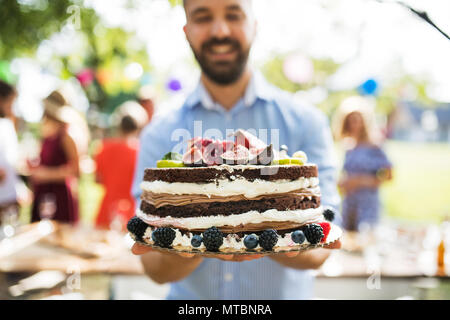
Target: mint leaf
column 172, row 156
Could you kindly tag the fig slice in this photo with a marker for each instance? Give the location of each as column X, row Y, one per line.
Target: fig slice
column 263, row 156
column 193, row 157
column 212, row 153
column 240, row 155
column 248, row 140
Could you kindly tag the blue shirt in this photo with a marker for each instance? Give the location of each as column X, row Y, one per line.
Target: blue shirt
column 263, row 107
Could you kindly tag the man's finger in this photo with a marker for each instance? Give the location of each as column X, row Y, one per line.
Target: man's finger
column 225, row 256
column 139, row 249
column 291, row 254
column 335, row 245
column 186, row 255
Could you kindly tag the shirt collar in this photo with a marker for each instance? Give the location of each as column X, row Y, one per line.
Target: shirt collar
column 256, row 88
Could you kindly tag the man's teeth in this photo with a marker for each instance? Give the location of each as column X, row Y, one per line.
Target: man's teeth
column 222, row 49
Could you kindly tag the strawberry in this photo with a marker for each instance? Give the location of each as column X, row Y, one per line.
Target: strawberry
column 326, row 230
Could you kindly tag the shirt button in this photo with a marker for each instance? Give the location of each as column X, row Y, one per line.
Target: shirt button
column 228, row 276
column 228, row 117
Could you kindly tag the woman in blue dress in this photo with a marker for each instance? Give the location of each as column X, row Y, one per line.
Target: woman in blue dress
column 366, row 166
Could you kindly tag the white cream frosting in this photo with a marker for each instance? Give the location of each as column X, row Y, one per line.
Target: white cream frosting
column 297, row 216
column 224, row 187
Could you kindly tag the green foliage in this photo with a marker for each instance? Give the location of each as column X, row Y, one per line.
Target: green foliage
column 174, row 3
column 25, row 24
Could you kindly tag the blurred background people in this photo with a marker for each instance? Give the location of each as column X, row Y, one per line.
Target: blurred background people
column 365, row 167
column 147, row 99
column 58, row 164
column 8, row 154
column 8, row 95
column 115, row 163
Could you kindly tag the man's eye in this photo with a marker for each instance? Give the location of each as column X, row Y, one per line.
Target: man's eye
column 203, row 19
column 233, row 17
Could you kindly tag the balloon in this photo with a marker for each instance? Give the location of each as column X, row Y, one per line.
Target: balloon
column 298, row 68
column 369, row 87
column 85, row 77
column 146, row 79
column 174, row 85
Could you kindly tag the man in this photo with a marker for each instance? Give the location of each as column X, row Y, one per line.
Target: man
column 231, row 96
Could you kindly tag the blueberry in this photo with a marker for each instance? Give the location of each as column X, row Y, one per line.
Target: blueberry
column 298, row 236
column 196, row 241
column 251, row 241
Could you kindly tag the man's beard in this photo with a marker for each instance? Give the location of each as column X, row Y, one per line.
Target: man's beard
column 222, row 72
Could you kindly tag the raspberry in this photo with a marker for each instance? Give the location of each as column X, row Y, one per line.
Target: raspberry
column 268, row 239
column 137, row 227
column 163, row 237
column 213, row 239
column 326, row 230
column 313, row 233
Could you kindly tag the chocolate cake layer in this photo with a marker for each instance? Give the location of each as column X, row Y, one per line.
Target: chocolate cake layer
column 231, row 173
column 232, row 207
column 164, row 199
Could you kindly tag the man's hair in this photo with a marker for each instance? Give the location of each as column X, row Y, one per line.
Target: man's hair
column 128, row 124
column 6, row 89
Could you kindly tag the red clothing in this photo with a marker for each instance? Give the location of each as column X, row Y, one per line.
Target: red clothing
column 54, row 200
column 115, row 168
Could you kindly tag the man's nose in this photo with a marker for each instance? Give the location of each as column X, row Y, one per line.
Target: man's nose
column 220, row 29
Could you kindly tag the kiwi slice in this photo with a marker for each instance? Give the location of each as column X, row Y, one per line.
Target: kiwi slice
column 281, row 161
column 288, row 161
column 297, row 161
column 169, row 164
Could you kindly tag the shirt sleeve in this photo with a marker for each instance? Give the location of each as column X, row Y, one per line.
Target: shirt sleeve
column 317, row 143
column 152, row 148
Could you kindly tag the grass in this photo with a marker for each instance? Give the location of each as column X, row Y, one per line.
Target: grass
column 420, row 189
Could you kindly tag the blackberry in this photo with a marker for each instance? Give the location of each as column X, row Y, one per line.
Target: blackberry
column 313, row 233
column 213, row 239
column 196, row 241
column 137, row 227
column 163, row 237
column 329, row 214
column 268, row 239
column 251, row 241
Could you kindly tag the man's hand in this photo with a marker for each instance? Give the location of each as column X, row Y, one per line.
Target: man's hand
column 139, row 249
column 310, row 259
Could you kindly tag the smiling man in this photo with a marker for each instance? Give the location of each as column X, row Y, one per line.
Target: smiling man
column 231, row 96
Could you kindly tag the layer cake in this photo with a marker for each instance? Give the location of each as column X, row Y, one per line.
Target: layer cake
column 232, row 201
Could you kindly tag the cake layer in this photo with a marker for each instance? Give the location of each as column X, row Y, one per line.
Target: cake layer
column 227, row 172
column 280, row 203
column 163, row 199
column 234, row 242
column 226, row 188
column 250, row 217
